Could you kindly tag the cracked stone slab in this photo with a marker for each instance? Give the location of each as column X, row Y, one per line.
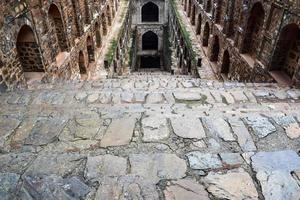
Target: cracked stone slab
column 154, row 129
column 234, row 184
column 231, row 158
column 199, row 160
column 154, row 167
column 7, row 126
column 53, row 187
column 290, row 126
column 185, row 189
column 45, row 131
column 261, row 126
column 126, row 187
column 119, row 132
column 154, row 98
column 105, row 165
column 15, row 162
column 243, row 136
column 188, row 127
column 219, row 127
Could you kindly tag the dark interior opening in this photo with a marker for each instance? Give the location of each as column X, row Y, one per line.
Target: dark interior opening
column 150, row 12
column 150, row 62
column 150, row 41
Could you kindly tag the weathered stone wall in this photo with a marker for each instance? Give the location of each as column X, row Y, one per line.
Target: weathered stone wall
column 59, row 35
column 248, row 30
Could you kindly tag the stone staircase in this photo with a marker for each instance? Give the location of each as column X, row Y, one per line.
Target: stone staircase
column 150, row 136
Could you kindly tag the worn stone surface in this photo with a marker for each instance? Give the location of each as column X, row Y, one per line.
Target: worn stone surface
column 119, row 132
column 188, row 128
column 234, row 185
column 219, row 127
column 185, row 189
column 155, row 167
column 199, row 160
column 261, row 126
column 8, row 185
column 154, row 129
column 105, row 165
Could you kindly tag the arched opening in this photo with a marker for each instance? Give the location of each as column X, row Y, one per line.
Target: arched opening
column 86, row 12
column 98, row 36
column 57, row 23
column 150, row 12
column 81, row 63
column 112, row 3
column 90, row 49
column 198, row 29
column 215, row 50
column 108, row 14
column 104, row 24
column 193, row 19
column 150, row 41
column 286, row 57
column 253, row 30
column 219, row 11
column 76, row 24
column 205, row 35
column 28, row 51
column 226, row 63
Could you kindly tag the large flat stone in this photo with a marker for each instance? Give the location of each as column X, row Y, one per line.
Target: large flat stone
column 15, row 162
column 45, row 131
column 55, row 163
column 119, row 132
column 261, row 126
column 126, row 187
column 8, row 185
column 278, row 185
column 154, row 129
column 185, row 189
column 199, row 160
column 219, row 127
column 187, row 96
column 287, row 160
column 235, row 185
column 154, row 167
column 188, row 128
column 243, row 136
column 105, row 165
column 7, row 126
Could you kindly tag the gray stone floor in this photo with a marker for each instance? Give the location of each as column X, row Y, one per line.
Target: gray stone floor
column 150, row 136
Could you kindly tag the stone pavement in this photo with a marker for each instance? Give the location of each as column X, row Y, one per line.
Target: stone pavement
column 150, row 136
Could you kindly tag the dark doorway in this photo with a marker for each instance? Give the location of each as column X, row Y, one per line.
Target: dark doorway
column 150, row 12
column 81, row 63
column 226, row 63
column 150, row 41
column 215, row 50
column 90, row 50
column 150, row 62
column 206, row 35
column 287, row 53
column 28, row 51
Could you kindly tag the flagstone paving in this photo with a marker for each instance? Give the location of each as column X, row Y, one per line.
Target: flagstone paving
column 150, row 136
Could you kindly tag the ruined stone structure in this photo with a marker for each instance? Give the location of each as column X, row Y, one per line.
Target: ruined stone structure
column 57, row 39
column 255, row 41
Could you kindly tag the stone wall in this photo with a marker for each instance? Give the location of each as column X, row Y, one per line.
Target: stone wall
column 59, row 36
column 248, row 31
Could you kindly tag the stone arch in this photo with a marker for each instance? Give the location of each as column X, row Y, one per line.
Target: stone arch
column 150, row 12
column 226, row 63
column 199, row 23
column 108, row 14
column 98, row 35
column 90, row 49
column 57, row 23
column 253, row 29
column 206, row 33
column 81, row 63
column 286, row 56
column 215, row 49
column 28, row 51
column 193, row 15
column 150, row 41
column 104, row 24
